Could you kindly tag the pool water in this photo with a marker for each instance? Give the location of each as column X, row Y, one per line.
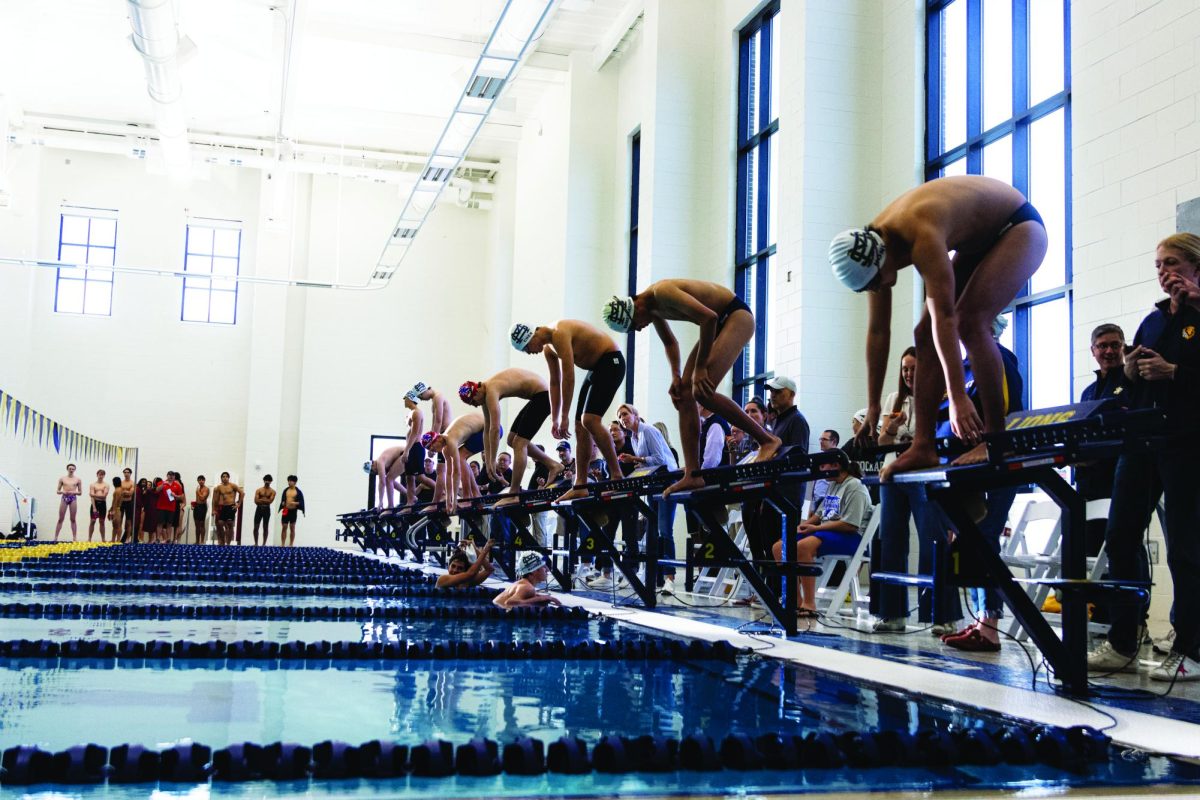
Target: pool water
column 56, row 703
column 146, row 630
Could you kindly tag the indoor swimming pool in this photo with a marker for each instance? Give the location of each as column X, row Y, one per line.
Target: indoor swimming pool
column 419, row 695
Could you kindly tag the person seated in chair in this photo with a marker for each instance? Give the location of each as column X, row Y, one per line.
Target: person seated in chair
column 834, row 528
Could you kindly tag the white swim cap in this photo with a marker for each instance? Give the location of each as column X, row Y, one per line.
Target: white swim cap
column 618, row 314
column 856, row 256
column 418, row 389
column 529, row 562
column 520, row 336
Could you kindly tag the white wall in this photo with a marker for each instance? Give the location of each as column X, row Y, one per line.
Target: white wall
column 140, row 377
column 302, row 379
column 1136, row 156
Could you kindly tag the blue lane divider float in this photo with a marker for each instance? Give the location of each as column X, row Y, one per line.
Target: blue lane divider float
column 158, row 573
column 129, row 611
column 280, row 590
column 259, row 650
column 1066, row 748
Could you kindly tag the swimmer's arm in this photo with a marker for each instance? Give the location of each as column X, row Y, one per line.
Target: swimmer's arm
column 555, row 371
column 436, row 424
column 409, row 436
column 933, row 262
column 670, row 345
column 491, row 433
column 59, row 489
column 567, row 356
column 879, row 339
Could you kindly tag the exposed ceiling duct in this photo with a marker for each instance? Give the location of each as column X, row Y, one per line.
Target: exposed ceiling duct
column 156, row 38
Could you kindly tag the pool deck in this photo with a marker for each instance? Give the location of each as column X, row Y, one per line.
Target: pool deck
column 916, row 662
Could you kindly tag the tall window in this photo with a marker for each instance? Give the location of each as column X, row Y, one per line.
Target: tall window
column 998, row 103
column 87, row 237
column 635, row 182
column 213, row 255
column 757, row 178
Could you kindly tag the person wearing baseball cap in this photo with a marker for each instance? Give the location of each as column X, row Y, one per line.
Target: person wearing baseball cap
column 792, row 428
column 566, row 345
column 726, row 326
column 999, row 241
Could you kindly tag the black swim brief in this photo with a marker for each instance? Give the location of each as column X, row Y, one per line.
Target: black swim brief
column 964, row 268
column 1026, row 213
column 532, row 416
column 735, row 305
column 199, row 512
column 414, row 467
column 601, row 384
column 99, row 509
column 227, row 513
column 262, row 514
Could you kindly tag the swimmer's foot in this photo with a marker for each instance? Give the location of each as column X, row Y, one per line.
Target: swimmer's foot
column 914, row 458
column 685, row 484
column 574, row 493
column 769, row 450
column 976, row 455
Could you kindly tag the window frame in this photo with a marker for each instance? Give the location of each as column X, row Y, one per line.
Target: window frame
column 635, row 188
column 83, row 273
column 1017, row 125
column 212, row 225
column 756, row 140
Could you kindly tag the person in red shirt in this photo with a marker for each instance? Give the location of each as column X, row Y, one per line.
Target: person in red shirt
column 168, row 510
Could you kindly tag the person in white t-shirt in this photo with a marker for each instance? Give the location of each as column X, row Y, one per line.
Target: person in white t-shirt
column 834, row 528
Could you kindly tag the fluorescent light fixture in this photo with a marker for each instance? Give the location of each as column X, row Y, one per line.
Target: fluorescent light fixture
column 518, row 23
column 459, row 134
column 495, row 67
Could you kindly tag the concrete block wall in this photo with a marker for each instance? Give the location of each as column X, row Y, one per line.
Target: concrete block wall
column 1136, row 150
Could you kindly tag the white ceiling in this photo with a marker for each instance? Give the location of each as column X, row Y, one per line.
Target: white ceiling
column 381, row 74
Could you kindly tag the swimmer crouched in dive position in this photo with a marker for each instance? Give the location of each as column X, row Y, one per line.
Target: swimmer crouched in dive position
column 726, row 325
column 998, row 240
column 487, row 395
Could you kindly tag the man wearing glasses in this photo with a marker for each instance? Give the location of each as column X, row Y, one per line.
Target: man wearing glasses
column 1095, row 479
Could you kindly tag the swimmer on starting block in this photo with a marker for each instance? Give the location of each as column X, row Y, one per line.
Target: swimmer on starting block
column 565, row 345
column 531, row 570
column 998, row 240
column 440, row 418
column 487, row 395
column 463, row 439
column 387, row 468
column 726, row 325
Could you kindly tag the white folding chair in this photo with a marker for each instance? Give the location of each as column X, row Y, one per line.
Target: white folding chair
column 830, row 600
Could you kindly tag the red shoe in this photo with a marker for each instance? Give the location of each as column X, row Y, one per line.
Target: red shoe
column 959, row 634
column 973, row 641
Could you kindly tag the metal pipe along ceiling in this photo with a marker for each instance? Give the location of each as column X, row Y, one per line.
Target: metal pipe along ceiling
column 156, row 38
